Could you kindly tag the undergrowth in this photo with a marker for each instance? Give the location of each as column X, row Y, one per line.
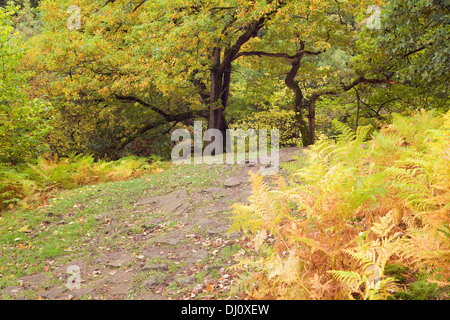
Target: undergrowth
column 352, row 207
column 32, row 183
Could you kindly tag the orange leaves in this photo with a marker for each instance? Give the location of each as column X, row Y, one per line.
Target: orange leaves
column 22, row 247
column 81, row 220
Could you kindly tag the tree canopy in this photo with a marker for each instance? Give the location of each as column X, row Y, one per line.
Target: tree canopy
column 133, row 71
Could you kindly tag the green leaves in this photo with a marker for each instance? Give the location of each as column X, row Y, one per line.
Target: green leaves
column 419, row 40
column 22, row 123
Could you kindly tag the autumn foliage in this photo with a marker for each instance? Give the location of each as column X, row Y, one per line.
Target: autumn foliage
column 352, row 208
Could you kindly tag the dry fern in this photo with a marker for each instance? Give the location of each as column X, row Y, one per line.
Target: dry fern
column 349, row 209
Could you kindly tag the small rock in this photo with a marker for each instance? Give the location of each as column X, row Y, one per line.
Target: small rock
column 221, row 230
column 219, row 209
column 171, row 239
column 196, row 256
column 152, row 296
column 120, row 277
column 152, row 223
column 116, row 263
column 214, row 190
column 115, row 259
column 11, row 290
column 52, row 293
column 35, row 280
column 151, row 282
column 122, row 288
column 186, row 280
column 211, row 268
column 232, row 182
column 157, row 266
column 82, row 292
column 204, row 223
column 100, row 216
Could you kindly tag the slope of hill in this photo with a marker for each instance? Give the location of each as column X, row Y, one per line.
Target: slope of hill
column 162, row 236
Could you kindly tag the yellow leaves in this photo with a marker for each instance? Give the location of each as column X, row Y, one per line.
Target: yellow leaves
column 286, row 269
column 25, row 228
column 385, row 224
column 260, row 237
column 316, row 229
column 372, row 257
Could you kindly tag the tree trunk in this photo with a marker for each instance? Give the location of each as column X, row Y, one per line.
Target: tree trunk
column 312, row 119
column 298, row 100
column 357, row 110
column 219, row 91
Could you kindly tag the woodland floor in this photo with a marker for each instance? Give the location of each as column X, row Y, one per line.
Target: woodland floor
column 162, row 236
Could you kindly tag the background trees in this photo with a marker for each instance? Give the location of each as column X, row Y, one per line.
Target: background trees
column 133, row 71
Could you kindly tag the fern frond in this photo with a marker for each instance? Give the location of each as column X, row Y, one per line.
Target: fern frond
column 347, row 134
column 364, row 257
column 351, row 278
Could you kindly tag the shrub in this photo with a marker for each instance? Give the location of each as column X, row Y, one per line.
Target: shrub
column 27, row 184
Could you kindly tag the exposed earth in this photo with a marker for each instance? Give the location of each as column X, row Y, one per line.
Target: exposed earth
column 167, row 241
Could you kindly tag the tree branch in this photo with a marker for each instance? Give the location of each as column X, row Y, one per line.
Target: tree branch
column 145, row 104
column 167, row 117
column 357, row 81
column 361, row 79
column 265, row 54
column 138, row 133
column 251, row 31
column 300, row 53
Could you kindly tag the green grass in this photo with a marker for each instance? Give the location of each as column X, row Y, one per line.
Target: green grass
column 230, row 250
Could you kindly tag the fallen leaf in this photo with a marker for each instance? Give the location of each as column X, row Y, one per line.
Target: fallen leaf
column 25, row 229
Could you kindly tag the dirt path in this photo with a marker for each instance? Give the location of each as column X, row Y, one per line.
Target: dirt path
column 169, row 246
